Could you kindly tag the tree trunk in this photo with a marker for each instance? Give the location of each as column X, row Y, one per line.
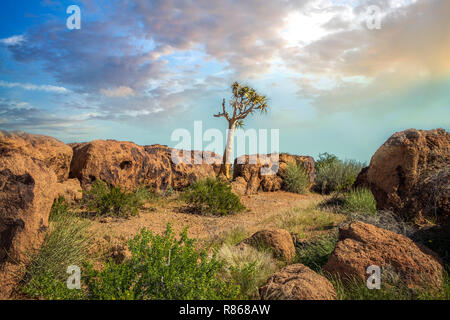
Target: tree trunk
column 226, row 160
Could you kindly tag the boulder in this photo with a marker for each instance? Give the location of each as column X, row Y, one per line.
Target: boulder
column 279, row 241
column 70, row 190
column 297, row 282
column 53, row 153
column 361, row 245
column 410, row 174
column 252, row 167
column 27, row 191
column 129, row 165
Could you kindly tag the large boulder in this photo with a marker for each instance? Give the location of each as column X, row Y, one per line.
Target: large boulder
column 410, row 174
column 53, row 153
column 27, row 191
column 264, row 173
column 129, row 165
column 278, row 241
column 361, row 245
column 297, row 282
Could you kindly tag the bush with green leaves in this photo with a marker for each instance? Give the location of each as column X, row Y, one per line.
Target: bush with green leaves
column 66, row 243
column 295, row 178
column 335, row 175
column 108, row 200
column 212, row 196
column 160, row 267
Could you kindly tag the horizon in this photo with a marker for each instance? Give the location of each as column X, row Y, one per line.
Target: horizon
column 136, row 71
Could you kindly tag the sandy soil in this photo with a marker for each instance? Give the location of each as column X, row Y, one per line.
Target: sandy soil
column 262, row 212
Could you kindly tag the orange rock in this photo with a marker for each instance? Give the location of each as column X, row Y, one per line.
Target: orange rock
column 297, row 282
column 361, row 245
column 256, row 181
column 279, row 241
column 27, row 191
column 53, row 153
column 410, row 174
column 129, row 165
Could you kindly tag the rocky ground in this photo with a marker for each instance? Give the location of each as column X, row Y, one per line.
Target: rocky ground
column 408, row 176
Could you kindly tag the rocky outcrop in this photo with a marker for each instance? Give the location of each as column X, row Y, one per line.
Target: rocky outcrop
column 265, row 173
column 27, row 191
column 51, row 152
column 297, row 282
column 410, row 174
column 278, row 241
column 130, row 165
column 361, row 245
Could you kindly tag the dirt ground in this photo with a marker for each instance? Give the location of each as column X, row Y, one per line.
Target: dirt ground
column 263, row 211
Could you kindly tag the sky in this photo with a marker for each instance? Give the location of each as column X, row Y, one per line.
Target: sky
column 137, row 70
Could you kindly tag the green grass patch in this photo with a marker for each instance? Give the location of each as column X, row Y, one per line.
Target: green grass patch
column 315, row 253
column 246, row 267
column 66, row 243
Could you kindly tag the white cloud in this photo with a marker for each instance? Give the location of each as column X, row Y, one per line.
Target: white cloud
column 121, row 91
column 13, row 40
column 29, row 86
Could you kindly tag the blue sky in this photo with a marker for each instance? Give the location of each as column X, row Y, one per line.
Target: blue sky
column 138, row 70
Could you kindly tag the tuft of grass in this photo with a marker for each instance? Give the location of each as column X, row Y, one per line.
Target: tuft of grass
column 295, row 178
column 66, row 243
column 356, row 289
column 315, row 253
column 359, row 201
column 231, row 237
column 108, row 200
column 335, row 175
column 246, row 267
column 213, row 197
column 160, row 267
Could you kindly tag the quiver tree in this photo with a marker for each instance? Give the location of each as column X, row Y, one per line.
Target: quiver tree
column 245, row 101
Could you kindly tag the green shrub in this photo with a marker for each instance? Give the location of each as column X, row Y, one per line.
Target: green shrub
column 246, row 267
column 112, row 201
column 66, row 243
column 160, row 267
column 359, row 201
column 334, row 175
column 212, row 196
column 295, row 178
column 314, row 254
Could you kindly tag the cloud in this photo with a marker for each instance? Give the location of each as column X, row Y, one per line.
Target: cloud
column 13, row 40
column 410, row 48
column 117, row 92
column 29, row 86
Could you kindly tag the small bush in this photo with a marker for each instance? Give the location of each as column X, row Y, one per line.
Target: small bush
column 160, row 267
column 248, row 268
column 334, row 175
column 212, row 196
column 359, row 201
column 66, row 243
column 295, row 178
column 314, row 254
column 112, row 201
